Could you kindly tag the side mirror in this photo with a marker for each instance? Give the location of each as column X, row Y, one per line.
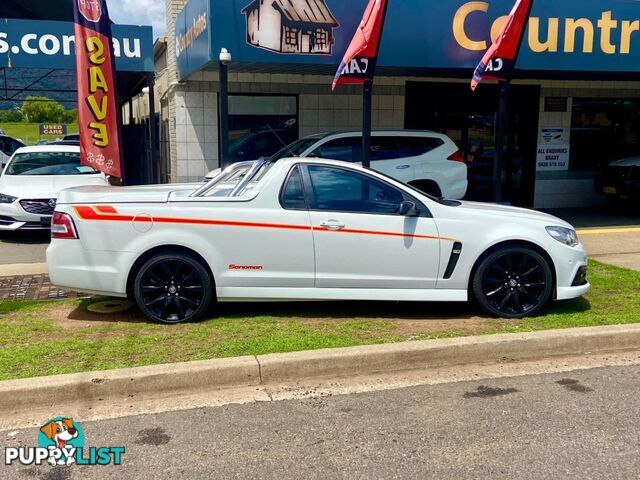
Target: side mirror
column 409, row 209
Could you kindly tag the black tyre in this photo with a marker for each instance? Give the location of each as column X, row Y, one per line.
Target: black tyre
column 513, row 283
column 173, row 288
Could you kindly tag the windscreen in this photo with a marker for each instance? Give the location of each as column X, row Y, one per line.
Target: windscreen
column 48, row 163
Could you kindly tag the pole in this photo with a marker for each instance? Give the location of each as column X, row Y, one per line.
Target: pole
column 224, row 115
column 366, row 123
column 153, row 137
column 501, row 125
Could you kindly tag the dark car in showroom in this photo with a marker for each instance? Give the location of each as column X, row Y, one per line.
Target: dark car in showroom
column 620, row 179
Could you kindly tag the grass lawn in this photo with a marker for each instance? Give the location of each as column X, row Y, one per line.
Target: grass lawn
column 29, row 132
column 46, row 338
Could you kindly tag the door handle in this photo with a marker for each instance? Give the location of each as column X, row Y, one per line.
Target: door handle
column 403, row 167
column 332, row 225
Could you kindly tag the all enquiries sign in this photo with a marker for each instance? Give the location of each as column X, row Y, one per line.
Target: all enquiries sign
column 553, row 158
column 553, row 150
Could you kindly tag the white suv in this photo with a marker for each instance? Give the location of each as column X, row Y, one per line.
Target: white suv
column 428, row 161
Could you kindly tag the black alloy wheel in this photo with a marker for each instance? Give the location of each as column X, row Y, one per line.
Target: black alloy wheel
column 173, row 288
column 513, row 283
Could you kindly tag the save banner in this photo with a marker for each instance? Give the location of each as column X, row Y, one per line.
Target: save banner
column 98, row 119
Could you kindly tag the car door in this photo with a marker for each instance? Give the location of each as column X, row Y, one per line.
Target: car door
column 360, row 240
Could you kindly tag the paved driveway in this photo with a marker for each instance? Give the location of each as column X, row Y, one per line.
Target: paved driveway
column 22, row 248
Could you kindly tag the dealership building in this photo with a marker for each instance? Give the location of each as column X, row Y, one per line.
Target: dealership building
column 574, row 105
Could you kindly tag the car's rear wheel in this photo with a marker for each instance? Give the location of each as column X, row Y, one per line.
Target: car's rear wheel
column 173, row 288
column 513, row 283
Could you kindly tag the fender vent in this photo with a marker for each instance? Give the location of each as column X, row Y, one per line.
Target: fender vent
column 453, row 260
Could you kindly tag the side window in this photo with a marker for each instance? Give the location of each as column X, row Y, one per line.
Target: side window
column 293, row 194
column 5, row 147
column 420, row 145
column 345, row 149
column 339, row 190
column 384, row 148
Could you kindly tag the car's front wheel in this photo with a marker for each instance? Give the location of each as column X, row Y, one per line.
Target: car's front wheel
column 513, row 282
column 173, row 288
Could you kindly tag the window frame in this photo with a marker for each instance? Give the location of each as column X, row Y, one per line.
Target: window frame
column 310, row 200
column 283, row 187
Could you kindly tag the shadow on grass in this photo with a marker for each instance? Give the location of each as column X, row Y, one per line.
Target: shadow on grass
column 568, row 307
column 330, row 310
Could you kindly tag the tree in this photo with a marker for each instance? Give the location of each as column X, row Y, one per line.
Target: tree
column 70, row 116
column 11, row 116
column 43, row 110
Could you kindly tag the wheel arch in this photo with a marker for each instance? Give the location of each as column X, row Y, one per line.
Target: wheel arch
column 135, row 268
column 515, row 244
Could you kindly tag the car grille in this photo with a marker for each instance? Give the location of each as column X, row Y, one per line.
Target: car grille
column 38, row 207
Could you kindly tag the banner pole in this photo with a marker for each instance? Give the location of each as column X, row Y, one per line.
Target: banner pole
column 501, row 127
column 367, row 89
column 224, row 115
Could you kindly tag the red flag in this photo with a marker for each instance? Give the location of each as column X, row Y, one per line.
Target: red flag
column 500, row 60
column 98, row 111
column 359, row 63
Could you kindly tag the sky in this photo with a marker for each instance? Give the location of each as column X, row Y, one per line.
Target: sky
column 139, row 12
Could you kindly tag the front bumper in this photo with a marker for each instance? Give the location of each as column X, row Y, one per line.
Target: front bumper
column 13, row 217
column 571, row 265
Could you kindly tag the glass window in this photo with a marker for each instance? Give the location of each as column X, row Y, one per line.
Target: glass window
column 339, row 190
column 261, row 125
column 293, row 193
column 295, row 149
column 48, row 163
column 603, row 130
column 8, row 145
column 385, row 148
column 415, row 146
column 345, row 149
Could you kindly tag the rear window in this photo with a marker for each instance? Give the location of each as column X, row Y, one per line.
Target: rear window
column 47, row 163
column 419, row 145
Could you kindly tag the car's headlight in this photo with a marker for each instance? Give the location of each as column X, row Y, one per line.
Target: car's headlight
column 567, row 236
column 7, row 198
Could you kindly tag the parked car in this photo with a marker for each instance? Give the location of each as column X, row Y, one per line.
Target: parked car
column 32, row 180
column 8, row 146
column 72, row 137
column 621, row 179
column 428, row 161
column 308, row 229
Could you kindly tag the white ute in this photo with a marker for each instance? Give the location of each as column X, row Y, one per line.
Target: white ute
column 307, row 229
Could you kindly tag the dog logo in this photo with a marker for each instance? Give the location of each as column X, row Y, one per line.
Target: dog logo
column 61, row 441
column 60, row 431
column 90, row 9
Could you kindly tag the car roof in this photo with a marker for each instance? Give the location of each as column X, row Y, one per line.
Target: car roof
column 392, row 132
column 50, row 148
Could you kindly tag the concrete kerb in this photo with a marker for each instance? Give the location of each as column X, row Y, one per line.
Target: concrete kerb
column 300, row 366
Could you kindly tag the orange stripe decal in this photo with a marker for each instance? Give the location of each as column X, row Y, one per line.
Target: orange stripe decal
column 110, row 214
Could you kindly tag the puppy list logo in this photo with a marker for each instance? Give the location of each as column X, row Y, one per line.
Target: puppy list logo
column 61, row 441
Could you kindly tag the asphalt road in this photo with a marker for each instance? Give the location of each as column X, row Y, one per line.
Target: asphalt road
column 582, row 424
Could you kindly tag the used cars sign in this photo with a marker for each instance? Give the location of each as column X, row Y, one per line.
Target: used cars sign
column 56, row 129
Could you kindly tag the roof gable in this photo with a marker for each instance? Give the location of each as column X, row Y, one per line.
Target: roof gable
column 308, row 11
